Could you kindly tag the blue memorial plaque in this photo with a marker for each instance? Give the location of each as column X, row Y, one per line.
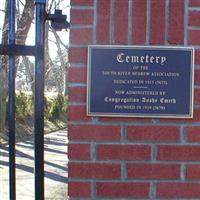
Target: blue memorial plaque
column 140, row 81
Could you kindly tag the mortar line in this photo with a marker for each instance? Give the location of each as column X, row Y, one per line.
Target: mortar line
column 130, row 17
column 148, row 25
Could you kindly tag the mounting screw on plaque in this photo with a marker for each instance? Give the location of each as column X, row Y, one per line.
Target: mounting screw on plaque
column 58, row 20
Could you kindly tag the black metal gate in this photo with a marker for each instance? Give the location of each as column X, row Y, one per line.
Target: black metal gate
column 58, row 21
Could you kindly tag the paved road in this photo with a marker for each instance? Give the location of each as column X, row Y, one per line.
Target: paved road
column 55, row 168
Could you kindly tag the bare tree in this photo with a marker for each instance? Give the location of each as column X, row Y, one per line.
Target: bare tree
column 55, row 69
column 3, row 72
column 23, row 26
column 63, row 57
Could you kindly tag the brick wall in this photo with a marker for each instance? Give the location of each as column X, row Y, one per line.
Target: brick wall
column 132, row 158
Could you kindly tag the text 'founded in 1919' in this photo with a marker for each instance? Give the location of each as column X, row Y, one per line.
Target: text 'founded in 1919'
column 140, row 81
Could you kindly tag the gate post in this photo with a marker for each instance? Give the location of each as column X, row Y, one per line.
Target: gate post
column 39, row 100
column 11, row 121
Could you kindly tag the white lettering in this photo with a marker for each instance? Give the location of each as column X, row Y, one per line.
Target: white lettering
column 121, row 58
column 163, row 59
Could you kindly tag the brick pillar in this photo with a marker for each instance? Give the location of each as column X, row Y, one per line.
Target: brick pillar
column 132, row 158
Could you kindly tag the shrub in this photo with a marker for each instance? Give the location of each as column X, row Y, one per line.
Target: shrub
column 54, row 106
column 58, row 106
column 24, row 104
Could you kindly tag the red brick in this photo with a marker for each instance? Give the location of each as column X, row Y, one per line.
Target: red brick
column 197, row 96
column 79, row 189
column 157, row 23
column 197, row 77
column 193, row 172
column 179, row 153
column 94, row 170
column 79, row 152
column 178, row 190
column 77, row 113
column 121, row 22
column 103, row 24
column 123, row 190
column 194, row 3
column 194, row 18
column 78, row 55
column 124, row 119
column 94, row 132
column 197, row 56
column 77, row 74
column 193, row 134
column 81, row 17
column 81, row 36
column 139, row 21
column 123, row 152
column 77, row 94
column 82, row 2
column 153, row 171
column 194, row 37
column 176, row 32
column 153, row 133
column 196, row 118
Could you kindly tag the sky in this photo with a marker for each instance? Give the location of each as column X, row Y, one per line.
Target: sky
column 64, row 35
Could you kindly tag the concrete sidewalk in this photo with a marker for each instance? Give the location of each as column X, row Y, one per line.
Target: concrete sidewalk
column 55, row 168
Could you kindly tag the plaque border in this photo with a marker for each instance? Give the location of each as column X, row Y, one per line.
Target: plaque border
column 140, row 115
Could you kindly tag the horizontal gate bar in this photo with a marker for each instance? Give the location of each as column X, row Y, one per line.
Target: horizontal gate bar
column 17, row 50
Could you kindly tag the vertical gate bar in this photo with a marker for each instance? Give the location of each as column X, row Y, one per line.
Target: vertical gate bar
column 11, row 123
column 39, row 101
